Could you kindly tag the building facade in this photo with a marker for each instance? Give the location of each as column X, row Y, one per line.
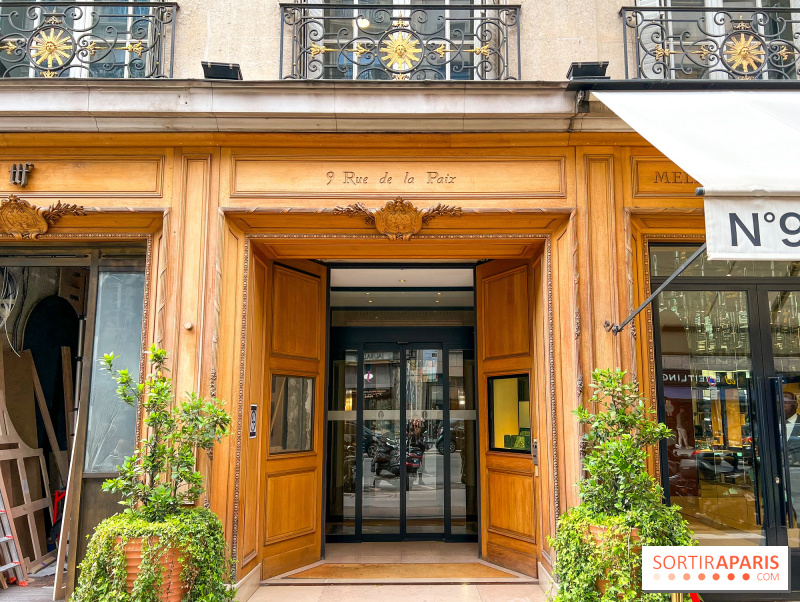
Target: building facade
column 396, row 251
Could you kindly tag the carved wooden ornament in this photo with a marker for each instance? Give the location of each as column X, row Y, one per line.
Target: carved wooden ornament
column 21, row 220
column 398, row 219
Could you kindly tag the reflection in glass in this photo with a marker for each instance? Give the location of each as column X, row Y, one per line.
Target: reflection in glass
column 665, row 259
column 111, row 425
column 425, row 467
column 291, row 415
column 785, row 330
column 510, row 413
column 463, row 444
column 713, row 456
column 381, row 449
column 342, row 431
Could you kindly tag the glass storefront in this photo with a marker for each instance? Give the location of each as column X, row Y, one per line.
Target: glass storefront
column 728, row 349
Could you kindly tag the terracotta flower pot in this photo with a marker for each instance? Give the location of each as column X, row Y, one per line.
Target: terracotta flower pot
column 597, row 532
column 171, row 587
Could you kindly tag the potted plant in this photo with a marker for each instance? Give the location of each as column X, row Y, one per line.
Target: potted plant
column 598, row 543
column 160, row 548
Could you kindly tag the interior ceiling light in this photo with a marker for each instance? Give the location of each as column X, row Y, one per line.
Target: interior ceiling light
column 402, row 281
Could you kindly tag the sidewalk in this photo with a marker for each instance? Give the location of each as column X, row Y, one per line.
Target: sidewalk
column 400, row 593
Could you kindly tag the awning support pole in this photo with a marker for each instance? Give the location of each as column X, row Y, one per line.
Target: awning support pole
column 616, row 329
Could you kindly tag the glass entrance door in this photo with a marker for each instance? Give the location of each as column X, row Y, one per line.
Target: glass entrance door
column 381, row 441
column 401, row 441
column 728, row 348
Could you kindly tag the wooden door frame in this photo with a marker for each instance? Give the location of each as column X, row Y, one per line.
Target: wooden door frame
column 322, row 236
column 646, row 228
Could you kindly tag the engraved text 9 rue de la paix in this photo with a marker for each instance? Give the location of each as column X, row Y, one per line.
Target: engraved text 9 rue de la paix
column 355, row 178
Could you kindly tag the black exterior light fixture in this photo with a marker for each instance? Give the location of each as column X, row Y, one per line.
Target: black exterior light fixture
column 591, row 70
column 221, row 70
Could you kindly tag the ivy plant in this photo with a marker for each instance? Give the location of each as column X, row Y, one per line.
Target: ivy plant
column 620, row 499
column 197, row 535
column 157, row 484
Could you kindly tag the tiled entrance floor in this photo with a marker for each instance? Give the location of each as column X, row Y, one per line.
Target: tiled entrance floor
column 432, row 564
column 407, row 551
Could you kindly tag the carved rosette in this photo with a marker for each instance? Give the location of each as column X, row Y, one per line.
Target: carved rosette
column 22, row 220
column 398, row 219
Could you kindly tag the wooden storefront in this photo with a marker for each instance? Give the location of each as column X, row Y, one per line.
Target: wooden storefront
column 565, row 218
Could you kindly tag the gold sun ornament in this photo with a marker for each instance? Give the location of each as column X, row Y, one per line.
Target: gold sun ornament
column 54, row 46
column 744, row 53
column 400, row 51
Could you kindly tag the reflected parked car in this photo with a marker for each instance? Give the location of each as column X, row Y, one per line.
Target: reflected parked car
column 457, row 437
column 370, row 438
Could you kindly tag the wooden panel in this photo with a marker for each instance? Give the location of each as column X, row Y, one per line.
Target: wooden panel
column 413, row 249
column 657, row 177
column 296, row 313
column 112, row 222
column 509, row 490
column 505, row 312
column 93, row 176
column 505, row 323
column 292, row 558
column 220, row 486
column 190, row 216
column 516, row 560
column 599, row 296
column 291, row 504
column 265, row 177
column 471, row 222
column 291, row 500
column 299, row 143
column 251, row 466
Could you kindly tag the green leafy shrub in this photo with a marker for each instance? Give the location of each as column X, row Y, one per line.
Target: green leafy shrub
column 619, row 497
column 157, row 483
column 195, row 532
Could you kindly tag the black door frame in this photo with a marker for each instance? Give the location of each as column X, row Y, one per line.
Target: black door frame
column 400, row 339
column 771, row 509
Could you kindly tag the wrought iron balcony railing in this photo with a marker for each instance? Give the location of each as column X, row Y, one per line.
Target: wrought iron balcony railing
column 711, row 43
column 86, row 39
column 400, row 41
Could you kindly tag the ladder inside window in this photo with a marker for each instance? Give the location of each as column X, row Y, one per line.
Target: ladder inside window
column 9, row 547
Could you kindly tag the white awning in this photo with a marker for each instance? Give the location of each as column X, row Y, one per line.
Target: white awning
column 742, row 146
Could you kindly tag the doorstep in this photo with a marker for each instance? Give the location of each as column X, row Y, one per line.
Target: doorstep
column 400, row 563
column 324, row 573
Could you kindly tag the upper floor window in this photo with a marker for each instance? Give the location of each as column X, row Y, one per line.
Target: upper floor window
column 120, row 39
column 713, row 39
column 400, row 40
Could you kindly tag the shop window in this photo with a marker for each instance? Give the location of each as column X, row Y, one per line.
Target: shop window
column 112, row 423
column 292, row 414
column 510, row 413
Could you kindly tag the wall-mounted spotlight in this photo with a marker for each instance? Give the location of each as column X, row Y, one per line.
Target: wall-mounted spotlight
column 221, row 70
column 591, row 70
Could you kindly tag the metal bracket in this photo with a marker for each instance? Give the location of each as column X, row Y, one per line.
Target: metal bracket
column 616, row 329
column 19, row 173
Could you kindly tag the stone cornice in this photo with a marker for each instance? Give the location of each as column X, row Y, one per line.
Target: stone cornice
column 86, row 105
